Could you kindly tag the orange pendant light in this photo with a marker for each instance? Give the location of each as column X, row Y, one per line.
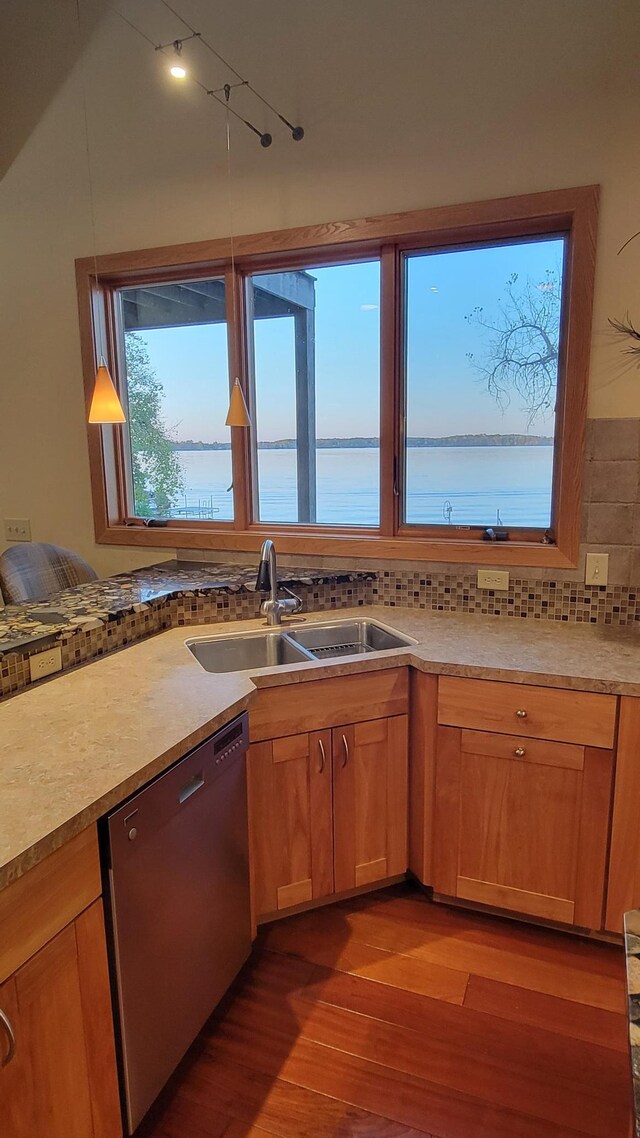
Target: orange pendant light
column 105, row 404
column 238, row 415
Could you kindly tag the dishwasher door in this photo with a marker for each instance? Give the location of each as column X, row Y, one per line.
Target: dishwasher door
column 180, row 911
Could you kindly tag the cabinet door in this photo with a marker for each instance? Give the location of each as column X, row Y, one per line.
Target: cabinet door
column 62, row 1079
column 370, row 801
column 522, row 824
column 290, row 821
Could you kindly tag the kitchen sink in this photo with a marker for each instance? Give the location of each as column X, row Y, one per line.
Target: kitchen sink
column 326, row 640
column 245, row 650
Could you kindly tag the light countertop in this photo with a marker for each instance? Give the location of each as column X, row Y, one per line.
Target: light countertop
column 77, row 745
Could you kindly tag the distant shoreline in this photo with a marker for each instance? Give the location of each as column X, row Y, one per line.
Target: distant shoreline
column 373, row 443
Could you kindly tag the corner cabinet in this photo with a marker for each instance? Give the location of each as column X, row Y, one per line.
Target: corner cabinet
column 57, row 1054
column 521, row 812
column 328, row 807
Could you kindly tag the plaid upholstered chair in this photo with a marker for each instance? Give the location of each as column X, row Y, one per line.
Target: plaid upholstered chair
column 37, row 571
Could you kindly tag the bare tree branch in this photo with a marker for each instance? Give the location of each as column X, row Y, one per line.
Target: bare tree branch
column 521, row 354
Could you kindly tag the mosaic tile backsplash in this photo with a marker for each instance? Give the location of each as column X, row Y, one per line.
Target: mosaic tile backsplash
column 540, row 600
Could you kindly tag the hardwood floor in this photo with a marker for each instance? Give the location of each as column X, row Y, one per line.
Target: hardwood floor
column 391, row 1017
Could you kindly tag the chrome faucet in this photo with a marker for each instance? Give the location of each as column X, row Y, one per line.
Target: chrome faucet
column 274, row 609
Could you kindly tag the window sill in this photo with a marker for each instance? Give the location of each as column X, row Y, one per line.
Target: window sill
column 530, row 554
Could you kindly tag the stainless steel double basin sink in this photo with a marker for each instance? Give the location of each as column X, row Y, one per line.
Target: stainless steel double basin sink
column 295, row 644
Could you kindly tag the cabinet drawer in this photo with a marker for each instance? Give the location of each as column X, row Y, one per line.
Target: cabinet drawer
column 317, row 704
column 40, row 903
column 586, row 718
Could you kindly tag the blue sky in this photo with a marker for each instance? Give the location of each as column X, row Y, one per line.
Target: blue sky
column 444, row 393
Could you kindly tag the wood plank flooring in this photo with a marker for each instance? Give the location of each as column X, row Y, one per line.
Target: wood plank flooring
column 391, row 1017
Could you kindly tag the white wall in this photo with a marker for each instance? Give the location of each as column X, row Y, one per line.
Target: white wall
column 406, row 103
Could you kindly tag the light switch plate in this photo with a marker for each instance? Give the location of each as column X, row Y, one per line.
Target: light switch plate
column 17, row 529
column 495, row 579
column 596, row 569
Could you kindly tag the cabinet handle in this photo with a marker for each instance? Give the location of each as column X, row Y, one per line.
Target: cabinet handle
column 8, row 1027
column 346, row 751
column 519, row 752
column 323, row 757
column 521, row 714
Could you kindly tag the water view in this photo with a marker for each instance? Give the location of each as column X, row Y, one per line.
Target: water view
column 484, row 485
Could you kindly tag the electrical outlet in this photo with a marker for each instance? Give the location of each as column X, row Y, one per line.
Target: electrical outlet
column 45, row 663
column 17, row 529
column 596, row 569
column 495, row 579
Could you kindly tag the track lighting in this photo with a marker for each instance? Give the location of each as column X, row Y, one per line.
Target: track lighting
column 180, row 72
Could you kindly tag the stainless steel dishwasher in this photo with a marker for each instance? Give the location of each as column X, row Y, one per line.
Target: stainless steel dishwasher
column 179, row 904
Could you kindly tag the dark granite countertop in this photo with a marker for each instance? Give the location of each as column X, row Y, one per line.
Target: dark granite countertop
column 89, row 606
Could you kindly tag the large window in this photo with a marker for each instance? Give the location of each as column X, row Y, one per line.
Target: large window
column 483, row 327
column 315, row 353
column 416, row 386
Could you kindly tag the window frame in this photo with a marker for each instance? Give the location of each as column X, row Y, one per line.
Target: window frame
column 571, row 212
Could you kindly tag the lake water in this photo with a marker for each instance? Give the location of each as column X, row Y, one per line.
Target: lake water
column 475, row 482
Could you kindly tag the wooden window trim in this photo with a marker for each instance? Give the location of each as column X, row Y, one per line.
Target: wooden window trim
column 573, row 211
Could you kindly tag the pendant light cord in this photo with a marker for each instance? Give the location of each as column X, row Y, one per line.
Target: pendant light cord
column 227, row 94
column 85, row 115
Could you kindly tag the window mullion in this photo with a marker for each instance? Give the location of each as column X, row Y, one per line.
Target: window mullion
column 390, row 388
column 240, row 436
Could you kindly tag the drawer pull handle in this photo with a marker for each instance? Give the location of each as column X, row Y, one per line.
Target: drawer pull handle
column 521, row 714
column 519, row 752
column 346, row 751
column 8, row 1027
column 323, row 757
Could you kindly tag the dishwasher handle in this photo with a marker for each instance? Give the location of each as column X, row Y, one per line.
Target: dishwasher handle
column 196, row 783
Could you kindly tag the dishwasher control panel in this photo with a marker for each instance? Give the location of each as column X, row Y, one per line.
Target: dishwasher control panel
column 231, row 741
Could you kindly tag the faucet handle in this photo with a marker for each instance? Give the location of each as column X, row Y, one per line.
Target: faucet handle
column 297, row 601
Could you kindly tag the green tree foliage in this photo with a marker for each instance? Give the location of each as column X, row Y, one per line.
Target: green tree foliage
column 521, row 353
column 157, row 474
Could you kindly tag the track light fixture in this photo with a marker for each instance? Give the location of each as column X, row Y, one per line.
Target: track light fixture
column 176, row 67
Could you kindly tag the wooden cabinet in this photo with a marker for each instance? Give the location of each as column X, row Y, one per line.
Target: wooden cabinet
column 56, row 1035
column 522, row 824
column 328, row 811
